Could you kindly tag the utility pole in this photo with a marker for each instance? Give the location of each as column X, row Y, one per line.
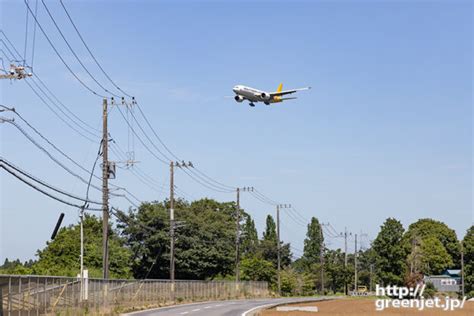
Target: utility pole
column 278, row 249
column 462, row 268
column 105, row 192
column 172, row 228
column 355, row 264
column 278, row 207
column 173, row 222
column 345, row 256
column 82, row 253
column 371, row 277
column 321, row 257
column 237, row 239
column 237, row 233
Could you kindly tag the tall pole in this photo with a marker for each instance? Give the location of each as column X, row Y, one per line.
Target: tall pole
column 278, row 249
column 105, row 193
column 237, row 239
column 345, row 246
column 345, row 259
column 321, row 257
column 82, row 254
column 355, row 264
column 462, row 268
column 371, row 277
column 172, row 228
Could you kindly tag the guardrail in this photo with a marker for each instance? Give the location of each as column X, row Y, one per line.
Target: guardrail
column 42, row 295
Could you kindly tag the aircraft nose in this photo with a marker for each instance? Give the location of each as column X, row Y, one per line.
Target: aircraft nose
column 235, row 89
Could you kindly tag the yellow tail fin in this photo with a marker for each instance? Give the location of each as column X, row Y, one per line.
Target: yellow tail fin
column 280, row 87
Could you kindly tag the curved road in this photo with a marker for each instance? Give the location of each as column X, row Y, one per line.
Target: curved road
column 219, row 308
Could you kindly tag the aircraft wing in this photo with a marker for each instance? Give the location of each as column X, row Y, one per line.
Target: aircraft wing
column 280, row 93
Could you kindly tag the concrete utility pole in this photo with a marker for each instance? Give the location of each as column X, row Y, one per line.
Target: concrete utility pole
column 462, row 268
column 237, row 233
column 355, row 264
column 321, row 257
column 371, row 276
column 278, row 207
column 237, row 239
column 105, row 193
column 346, row 234
column 278, row 249
column 172, row 227
column 173, row 222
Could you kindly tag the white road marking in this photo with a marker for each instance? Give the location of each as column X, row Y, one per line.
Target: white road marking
column 184, row 313
column 195, row 310
column 255, row 308
column 218, row 305
column 208, row 307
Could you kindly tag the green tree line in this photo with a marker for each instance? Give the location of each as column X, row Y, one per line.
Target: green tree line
column 205, row 250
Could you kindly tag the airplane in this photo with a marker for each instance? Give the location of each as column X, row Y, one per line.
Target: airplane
column 253, row 95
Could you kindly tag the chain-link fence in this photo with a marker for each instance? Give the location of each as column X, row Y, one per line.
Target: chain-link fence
column 40, row 295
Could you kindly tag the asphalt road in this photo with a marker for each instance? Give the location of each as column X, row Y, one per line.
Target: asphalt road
column 217, row 308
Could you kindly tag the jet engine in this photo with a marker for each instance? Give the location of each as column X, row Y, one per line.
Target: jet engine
column 265, row 96
column 239, row 98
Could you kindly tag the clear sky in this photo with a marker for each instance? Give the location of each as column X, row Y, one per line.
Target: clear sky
column 386, row 130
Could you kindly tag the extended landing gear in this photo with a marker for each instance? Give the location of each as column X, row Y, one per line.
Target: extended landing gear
column 251, row 104
column 267, row 103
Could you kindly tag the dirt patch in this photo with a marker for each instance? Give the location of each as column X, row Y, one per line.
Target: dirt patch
column 366, row 307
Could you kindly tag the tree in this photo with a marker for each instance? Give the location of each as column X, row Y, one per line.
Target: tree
column 268, row 246
column 290, row 282
column 205, row 246
column 314, row 242
column 337, row 275
column 389, row 254
column 270, row 233
column 146, row 231
column 205, row 239
column 468, row 247
column 257, row 269
column 249, row 238
column 434, row 257
column 16, row 267
column 61, row 255
column 425, row 228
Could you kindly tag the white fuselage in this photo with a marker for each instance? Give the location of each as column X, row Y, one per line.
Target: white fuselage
column 251, row 94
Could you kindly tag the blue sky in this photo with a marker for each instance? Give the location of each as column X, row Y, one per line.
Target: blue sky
column 386, row 130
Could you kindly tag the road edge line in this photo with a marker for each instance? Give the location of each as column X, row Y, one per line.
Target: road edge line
column 253, row 309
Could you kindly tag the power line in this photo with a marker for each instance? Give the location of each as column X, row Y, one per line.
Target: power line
column 140, row 139
column 64, row 154
column 49, row 186
column 72, row 50
column 60, row 56
column 34, row 38
column 43, row 191
column 44, row 85
column 31, row 139
column 260, row 199
column 197, row 173
column 26, row 36
column 67, row 123
column 298, row 213
column 90, row 52
column 189, row 173
column 207, row 179
column 265, row 198
column 55, row 104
